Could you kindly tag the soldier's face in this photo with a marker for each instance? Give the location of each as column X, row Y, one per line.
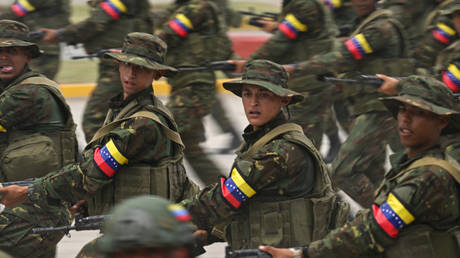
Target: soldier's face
column 419, row 129
column 456, row 21
column 261, row 105
column 135, row 78
column 363, row 7
column 12, row 61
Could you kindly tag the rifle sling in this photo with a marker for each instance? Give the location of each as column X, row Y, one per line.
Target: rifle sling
column 172, row 135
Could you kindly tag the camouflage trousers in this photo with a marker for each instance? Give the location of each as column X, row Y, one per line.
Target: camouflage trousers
column 359, row 167
column 16, row 237
column 311, row 113
column 189, row 105
column 108, row 85
column 47, row 64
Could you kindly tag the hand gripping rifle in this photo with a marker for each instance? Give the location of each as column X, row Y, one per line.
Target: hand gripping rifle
column 245, row 253
column 26, row 182
column 256, row 16
column 81, row 223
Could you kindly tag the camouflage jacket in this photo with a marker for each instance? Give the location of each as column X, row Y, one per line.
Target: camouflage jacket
column 447, row 66
column 108, row 23
column 306, row 28
column 377, row 45
column 17, row 102
column 429, row 194
column 439, row 34
column 451, row 143
column 342, row 10
column 280, row 169
column 138, row 140
column 411, row 14
column 196, row 35
column 38, row 14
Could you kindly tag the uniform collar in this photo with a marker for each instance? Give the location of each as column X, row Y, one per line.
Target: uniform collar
column 251, row 136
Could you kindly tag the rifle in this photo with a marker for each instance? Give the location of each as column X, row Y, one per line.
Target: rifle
column 99, row 54
column 213, row 66
column 36, row 36
column 363, row 79
column 81, row 223
column 245, row 253
column 257, row 16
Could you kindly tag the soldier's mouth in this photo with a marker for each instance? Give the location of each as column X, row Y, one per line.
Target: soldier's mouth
column 6, row 68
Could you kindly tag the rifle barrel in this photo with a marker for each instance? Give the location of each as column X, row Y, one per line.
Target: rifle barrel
column 26, row 182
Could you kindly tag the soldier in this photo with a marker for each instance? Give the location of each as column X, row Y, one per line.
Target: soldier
column 196, row 35
column 440, row 33
column 306, row 28
column 278, row 178
column 37, row 136
column 412, row 14
column 109, row 21
column 147, row 226
column 378, row 44
column 38, row 14
column 416, row 209
column 137, row 151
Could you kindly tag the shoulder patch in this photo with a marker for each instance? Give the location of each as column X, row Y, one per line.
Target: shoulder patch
column 181, row 25
column 392, row 216
column 443, row 33
column 114, row 8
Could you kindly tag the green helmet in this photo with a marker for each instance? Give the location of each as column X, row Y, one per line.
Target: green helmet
column 16, row 34
column 429, row 94
column 147, row 222
column 266, row 74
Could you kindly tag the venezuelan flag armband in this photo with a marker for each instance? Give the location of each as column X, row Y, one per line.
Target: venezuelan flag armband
column 358, row 46
column 451, row 77
column 235, row 189
column 291, row 27
column 22, row 7
column 109, row 159
column 181, row 25
column 392, row 216
column 443, row 33
column 114, row 8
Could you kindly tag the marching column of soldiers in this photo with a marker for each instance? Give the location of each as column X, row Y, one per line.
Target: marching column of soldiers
column 385, row 73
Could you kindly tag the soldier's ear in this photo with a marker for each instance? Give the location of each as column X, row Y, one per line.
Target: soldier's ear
column 285, row 101
column 159, row 74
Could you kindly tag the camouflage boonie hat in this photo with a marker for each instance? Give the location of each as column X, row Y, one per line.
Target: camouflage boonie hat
column 428, row 94
column 266, row 74
column 16, row 34
column 145, row 50
column 146, row 222
column 451, row 8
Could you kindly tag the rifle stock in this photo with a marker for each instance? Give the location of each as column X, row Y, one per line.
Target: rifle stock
column 257, row 16
column 36, row 36
column 212, row 66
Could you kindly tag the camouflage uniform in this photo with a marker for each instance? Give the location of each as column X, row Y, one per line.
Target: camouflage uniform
column 137, row 151
column 42, row 14
column 416, row 208
column 411, row 14
column 377, row 46
column 276, row 172
column 196, row 35
column 343, row 13
column 37, row 137
column 306, row 29
column 439, row 34
column 108, row 23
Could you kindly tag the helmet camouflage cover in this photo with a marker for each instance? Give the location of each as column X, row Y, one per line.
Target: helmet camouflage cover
column 428, row 94
column 16, row 34
column 147, row 222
